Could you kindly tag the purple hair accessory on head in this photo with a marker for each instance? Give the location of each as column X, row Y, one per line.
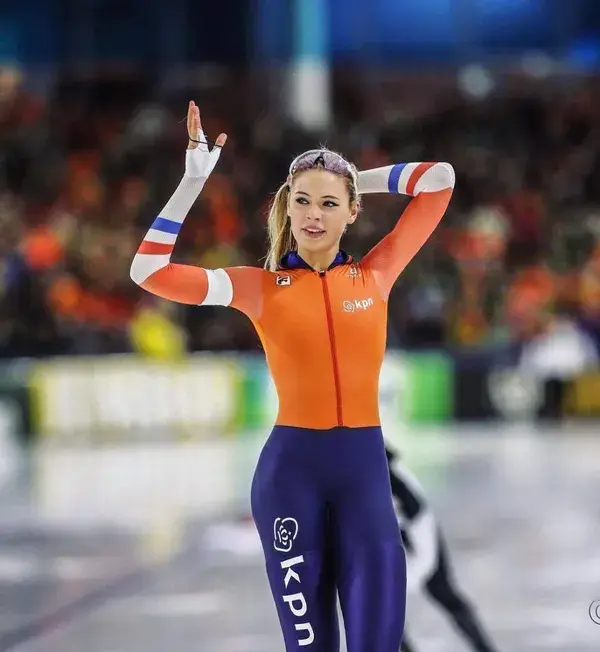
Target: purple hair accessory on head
column 326, row 159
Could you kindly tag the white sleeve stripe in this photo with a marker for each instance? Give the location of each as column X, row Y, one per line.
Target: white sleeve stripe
column 405, row 175
column 144, row 265
column 439, row 177
column 220, row 288
column 160, row 237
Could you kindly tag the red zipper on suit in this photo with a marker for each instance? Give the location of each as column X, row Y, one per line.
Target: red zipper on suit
column 336, row 371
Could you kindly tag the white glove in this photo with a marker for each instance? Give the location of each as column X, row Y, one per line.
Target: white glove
column 200, row 162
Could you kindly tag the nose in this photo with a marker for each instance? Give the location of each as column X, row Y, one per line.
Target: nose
column 314, row 213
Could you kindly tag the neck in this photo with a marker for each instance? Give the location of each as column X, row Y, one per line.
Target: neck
column 319, row 261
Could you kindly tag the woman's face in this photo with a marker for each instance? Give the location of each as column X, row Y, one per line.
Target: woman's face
column 320, row 209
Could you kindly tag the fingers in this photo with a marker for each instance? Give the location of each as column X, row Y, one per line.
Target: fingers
column 190, row 118
column 194, row 124
column 194, row 127
column 197, row 120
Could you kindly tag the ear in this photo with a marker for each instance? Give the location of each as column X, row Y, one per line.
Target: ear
column 354, row 213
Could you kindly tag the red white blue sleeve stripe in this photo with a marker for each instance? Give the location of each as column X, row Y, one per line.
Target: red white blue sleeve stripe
column 152, row 269
column 407, row 178
column 155, row 251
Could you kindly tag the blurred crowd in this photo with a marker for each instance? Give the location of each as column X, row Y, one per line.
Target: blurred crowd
column 85, row 169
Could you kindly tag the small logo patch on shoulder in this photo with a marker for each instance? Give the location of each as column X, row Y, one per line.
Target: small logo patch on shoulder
column 353, row 272
column 284, row 280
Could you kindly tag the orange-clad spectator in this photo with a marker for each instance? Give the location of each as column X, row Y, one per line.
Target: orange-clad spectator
column 529, row 301
column 42, row 248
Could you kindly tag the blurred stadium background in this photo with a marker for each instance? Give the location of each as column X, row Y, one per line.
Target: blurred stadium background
column 129, row 427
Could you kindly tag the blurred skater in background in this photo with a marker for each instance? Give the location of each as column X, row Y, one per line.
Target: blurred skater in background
column 428, row 563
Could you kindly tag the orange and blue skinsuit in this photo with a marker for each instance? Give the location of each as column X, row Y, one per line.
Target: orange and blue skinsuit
column 321, row 494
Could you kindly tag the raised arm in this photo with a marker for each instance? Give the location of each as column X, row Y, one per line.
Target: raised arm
column 152, row 269
column 431, row 185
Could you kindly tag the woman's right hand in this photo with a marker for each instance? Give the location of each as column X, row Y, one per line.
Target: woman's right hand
column 200, row 160
column 195, row 132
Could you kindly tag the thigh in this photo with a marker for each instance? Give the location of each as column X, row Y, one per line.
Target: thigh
column 363, row 506
column 288, row 505
column 371, row 565
column 291, row 516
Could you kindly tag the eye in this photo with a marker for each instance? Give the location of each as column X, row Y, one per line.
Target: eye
column 330, row 204
column 301, row 200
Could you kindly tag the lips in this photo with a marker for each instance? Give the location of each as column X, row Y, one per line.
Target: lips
column 313, row 233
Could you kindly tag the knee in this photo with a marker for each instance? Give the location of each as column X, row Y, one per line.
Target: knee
column 446, row 595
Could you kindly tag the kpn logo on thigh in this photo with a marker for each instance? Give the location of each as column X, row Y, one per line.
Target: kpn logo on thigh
column 285, row 533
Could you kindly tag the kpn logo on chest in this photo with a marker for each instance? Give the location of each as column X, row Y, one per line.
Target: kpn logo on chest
column 357, row 304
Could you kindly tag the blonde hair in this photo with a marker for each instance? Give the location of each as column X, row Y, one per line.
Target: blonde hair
column 279, row 227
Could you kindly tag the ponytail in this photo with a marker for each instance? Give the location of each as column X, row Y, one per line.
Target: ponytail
column 279, row 229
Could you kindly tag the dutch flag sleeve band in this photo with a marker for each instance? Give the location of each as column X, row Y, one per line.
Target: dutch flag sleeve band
column 155, row 251
column 406, row 179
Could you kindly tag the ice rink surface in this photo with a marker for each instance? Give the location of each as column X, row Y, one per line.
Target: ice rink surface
column 521, row 509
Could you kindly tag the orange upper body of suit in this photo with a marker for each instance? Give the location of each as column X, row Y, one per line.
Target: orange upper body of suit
column 323, row 333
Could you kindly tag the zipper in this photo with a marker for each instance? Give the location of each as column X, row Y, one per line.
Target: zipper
column 336, row 372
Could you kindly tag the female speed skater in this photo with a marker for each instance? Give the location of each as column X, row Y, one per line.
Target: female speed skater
column 321, row 496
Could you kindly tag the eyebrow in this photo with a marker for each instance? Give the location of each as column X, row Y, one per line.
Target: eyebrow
column 301, row 192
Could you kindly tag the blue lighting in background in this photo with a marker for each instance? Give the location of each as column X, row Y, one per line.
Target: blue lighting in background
column 311, row 29
column 9, row 42
column 509, row 9
column 429, row 23
column 402, row 32
column 584, row 53
column 513, row 24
